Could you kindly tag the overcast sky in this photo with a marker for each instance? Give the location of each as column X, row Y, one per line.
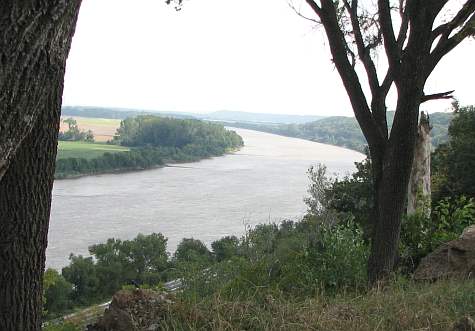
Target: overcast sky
column 243, row 55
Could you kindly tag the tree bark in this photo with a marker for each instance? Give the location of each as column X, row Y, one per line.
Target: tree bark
column 35, row 38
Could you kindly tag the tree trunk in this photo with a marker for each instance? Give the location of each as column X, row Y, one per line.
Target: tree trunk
column 419, row 192
column 35, row 38
column 391, row 182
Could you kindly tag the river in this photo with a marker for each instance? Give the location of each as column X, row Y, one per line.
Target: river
column 265, row 181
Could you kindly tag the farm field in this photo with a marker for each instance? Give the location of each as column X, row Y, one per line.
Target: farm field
column 103, row 128
column 80, row 149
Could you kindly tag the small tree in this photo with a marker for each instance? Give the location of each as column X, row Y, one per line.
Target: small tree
column 413, row 44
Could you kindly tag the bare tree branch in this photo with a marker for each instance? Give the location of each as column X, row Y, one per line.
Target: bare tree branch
column 299, row 13
column 445, row 30
column 438, row 96
column 444, row 46
column 338, row 47
column 390, row 43
column 402, row 34
column 363, row 51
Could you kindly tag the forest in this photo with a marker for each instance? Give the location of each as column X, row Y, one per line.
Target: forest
column 154, row 141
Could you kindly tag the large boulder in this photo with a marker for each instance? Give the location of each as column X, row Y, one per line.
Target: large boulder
column 134, row 310
column 453, row 259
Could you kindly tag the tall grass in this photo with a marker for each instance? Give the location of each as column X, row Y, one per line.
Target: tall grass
column 401, row 305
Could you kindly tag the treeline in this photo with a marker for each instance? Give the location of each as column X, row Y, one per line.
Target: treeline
column 143, row 131
column 136, row 159
column 343, row 131
column 155, row 141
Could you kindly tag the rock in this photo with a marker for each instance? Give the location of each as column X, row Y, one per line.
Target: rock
column 465, row 324
column 133, row 310
column 468, row 233
column 453, row 259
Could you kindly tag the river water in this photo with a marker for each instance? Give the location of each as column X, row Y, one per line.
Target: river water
column 265, row 181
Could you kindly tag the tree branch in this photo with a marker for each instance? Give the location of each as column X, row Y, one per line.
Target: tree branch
column 402, row 34
column 363, row 52
column 446, row 29
column 316, row 8
column 438, row 96
column 444, row 46
column 390, row 43
column 336, row 39
column 302, row 15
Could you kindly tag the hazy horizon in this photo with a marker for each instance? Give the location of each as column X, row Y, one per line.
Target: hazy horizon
column 249, row 56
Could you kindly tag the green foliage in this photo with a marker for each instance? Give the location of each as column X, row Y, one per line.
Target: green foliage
column 291, row 258
column 421, row 234
column 454, row 162
column 337, row 200
column 225, row 248
column 56, row 293
column 130, row 160
column 192, row 250
column 156, row 131
column 81, row 272
column 141, row 260
column 453, row 215
column 353, row 195
column 86, row 280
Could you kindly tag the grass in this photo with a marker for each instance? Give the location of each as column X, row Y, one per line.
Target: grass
column 80, row 149
column 403, row 305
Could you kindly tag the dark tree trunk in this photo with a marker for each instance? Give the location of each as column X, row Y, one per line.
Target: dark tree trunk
column 35, row 38
column 391, row 182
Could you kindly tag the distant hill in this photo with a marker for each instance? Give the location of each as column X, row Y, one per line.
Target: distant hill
column 345, row 131
column 335, row 130
column 240, row 116
column 116, row 113
column 223, row 115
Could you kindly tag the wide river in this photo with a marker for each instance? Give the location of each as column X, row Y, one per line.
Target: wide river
column 265, row 181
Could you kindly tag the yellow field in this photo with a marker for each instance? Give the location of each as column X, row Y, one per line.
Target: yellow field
column 102, row 128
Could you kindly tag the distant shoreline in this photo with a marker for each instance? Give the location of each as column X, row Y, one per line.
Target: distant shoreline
column 169, row 163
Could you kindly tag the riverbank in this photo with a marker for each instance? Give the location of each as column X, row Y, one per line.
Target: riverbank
column 117, row 171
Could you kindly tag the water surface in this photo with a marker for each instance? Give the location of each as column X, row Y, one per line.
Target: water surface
column 265, row 181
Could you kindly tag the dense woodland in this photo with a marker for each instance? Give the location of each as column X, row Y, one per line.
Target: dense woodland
column 323, row 255
column 155, row 141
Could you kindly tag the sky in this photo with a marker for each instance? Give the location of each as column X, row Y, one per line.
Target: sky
column 239, row 55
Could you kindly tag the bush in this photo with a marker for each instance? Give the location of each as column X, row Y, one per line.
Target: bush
column 292, row 258
column 421, row 234
column 225, row 248
column 192, row 250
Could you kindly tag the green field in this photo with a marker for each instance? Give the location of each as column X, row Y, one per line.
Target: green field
column 79, row 149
